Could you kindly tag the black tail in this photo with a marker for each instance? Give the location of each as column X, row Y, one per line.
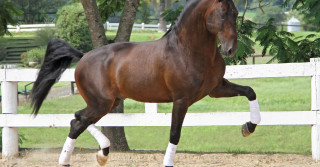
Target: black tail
column 58, row 58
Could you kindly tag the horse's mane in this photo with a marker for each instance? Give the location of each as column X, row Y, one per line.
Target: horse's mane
column 191, row 4
column 187, row 10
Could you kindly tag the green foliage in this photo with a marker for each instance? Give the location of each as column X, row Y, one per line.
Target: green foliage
column 275, row 41
column 171, row 15
column 36, row 10
column 284, row 48
column 109, row 8
column 3, row 52
column 144, row 12
column 275, row 12
column 72, row 27
column 8, row 13
column 309, row 8
column 43, row 36
column 245, row 43
column 33, row 55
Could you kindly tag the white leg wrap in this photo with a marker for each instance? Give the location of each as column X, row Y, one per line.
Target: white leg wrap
column 103, row 141
column 169, row 156
column 66, row 152
column 254, row 112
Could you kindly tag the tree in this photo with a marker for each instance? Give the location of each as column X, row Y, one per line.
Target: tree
column 116, row 135
column 37, row 10
column 8, row 15
column 127, row 20
column 144, row 12
column 268, row 12
column 96, row 28
column 162, row 22
column 309, row 8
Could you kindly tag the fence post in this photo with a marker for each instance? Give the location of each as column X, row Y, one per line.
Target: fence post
column 315, row 106
column 151, row 107
column 142, row 26
column 9, row 106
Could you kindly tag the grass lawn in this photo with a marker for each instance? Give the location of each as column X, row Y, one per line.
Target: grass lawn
column 274, row 94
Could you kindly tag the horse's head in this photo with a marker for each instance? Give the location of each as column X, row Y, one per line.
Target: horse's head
column 221, row 21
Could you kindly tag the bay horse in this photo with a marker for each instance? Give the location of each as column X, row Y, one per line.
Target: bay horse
column 182, row 67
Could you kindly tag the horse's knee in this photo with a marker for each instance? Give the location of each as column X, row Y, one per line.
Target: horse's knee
column 250, row 94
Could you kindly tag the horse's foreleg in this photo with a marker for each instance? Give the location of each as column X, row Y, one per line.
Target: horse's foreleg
column 178, row 113
column 228, row 89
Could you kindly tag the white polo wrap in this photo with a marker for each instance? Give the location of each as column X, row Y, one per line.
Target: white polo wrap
column 169, row 156
column 103, row 141
column 66, row 152
column 254, row 111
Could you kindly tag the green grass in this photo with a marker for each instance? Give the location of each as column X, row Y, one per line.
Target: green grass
column 274, row 94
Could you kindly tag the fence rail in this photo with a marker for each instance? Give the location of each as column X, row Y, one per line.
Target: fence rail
column 107, row 26
column 114, row 26
column 10, row 120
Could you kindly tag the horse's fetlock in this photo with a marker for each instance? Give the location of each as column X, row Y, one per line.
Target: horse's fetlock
column 251, row 95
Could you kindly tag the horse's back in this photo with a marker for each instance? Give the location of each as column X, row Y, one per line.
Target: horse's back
column 126, row 70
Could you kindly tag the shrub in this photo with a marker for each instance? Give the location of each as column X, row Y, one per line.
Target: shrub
column 43, row 36
column 33, row 55
column 72, row 26
column 3, row 52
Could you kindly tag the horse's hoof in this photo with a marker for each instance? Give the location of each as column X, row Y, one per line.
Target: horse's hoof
column 168, row 166
column 101, row 158
column 245, row 130
column 66, row 165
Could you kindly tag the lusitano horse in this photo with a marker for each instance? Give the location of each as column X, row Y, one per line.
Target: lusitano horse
column 182, row 67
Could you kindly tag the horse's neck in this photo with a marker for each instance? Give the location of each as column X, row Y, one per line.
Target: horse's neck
column 196, row 40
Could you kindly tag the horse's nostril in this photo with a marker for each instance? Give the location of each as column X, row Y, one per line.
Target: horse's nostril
column 229, row 51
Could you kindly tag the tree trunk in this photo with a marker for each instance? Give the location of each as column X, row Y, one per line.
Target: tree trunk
column 163, row 25
column 123, row 34
column 127, row 20
column 116, row 135
column 97, row 31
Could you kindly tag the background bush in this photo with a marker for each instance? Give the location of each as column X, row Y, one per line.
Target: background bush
column 33, row 55
column 72, row 26
column 43, row 36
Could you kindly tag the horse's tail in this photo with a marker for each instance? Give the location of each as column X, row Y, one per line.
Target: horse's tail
column 58, row 58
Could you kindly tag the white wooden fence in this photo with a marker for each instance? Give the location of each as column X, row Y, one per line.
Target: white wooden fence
column 10, row 120
column 29, row 27
column 107, row 26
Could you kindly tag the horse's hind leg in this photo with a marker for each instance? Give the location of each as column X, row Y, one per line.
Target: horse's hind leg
column 85, row 119
column 78, row 125
column 228, row 89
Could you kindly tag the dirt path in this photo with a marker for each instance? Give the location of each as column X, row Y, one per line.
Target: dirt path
column 41, row 158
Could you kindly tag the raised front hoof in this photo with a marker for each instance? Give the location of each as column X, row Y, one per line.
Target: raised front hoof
column 248, row 128
column 101, row 158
